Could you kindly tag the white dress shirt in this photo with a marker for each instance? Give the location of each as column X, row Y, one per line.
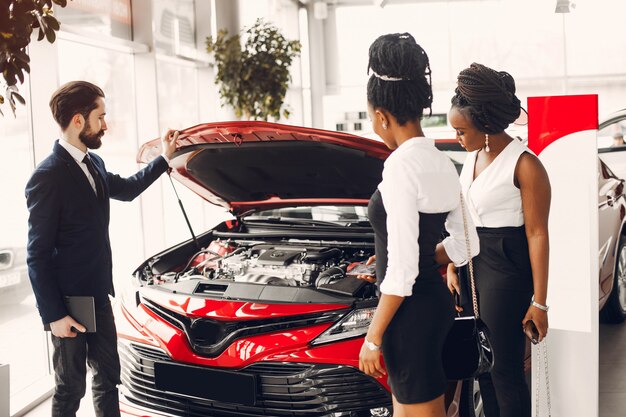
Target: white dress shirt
column 417, row 177
column 78, row 156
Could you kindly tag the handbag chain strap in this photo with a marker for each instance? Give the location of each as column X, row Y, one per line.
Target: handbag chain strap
column 543, row 362
column 469, row 257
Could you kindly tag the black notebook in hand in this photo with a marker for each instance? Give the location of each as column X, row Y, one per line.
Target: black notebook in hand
column 83, row 310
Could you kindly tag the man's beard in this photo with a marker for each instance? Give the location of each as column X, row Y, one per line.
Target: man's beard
column 90, row 139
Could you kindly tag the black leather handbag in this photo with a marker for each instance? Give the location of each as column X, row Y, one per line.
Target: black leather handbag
column 467, row 351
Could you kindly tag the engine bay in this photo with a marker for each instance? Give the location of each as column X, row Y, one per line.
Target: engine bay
column 287, row 263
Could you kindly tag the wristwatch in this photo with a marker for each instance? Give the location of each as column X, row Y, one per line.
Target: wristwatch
column 371, row 345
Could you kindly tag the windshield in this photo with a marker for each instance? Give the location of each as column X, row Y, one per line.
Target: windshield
column 341, row 215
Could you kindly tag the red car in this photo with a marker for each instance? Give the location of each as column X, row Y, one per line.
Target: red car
column 261, row 316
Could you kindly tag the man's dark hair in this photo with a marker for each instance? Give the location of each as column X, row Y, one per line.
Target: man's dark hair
column 488, row 97
column 74, row 97
column 398, row 56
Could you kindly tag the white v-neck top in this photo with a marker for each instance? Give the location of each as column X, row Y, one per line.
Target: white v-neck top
column 492, row 198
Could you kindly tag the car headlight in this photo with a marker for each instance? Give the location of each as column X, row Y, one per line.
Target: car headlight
column 129, row 290
column 354, row 324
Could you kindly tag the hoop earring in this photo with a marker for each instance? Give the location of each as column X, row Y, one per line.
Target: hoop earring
column 384, row 125
column 487, row 143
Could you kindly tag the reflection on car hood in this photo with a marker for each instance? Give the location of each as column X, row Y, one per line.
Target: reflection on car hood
column 248, row 165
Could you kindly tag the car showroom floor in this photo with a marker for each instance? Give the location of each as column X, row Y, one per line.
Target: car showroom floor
column 612, row 377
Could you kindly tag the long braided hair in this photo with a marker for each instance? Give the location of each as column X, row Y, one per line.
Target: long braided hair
column 488, row 96
column 399, row 57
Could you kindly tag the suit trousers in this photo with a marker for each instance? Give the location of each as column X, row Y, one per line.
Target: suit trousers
column 70, row 357
column 505, row 287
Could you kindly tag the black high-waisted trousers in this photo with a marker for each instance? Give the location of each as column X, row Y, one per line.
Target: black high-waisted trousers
column 505, row 288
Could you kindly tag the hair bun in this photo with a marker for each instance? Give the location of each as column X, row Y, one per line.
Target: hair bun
column 398, row 55
column 490, row 95
column 401, row 80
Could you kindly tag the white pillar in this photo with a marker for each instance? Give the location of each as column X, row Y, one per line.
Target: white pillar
column 331, row 53
column 5, row 392
column 563, row 129
column 44, row 80
column 147, row 111
column 226, row 17
column 317, row 59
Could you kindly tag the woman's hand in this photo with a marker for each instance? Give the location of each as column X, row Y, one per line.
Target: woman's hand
column 368, row 278
column 540, row 318
column 453, row 283
column 369, row 362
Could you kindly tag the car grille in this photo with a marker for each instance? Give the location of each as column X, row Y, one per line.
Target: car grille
column 285, row 389
column 211, row 337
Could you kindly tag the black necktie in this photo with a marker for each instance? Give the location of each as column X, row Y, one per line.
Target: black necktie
column 94, row 174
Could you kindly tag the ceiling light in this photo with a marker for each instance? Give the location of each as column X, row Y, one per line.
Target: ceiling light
column 563, row 6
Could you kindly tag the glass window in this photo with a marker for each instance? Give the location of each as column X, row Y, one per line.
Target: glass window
column 104, row 17
column 342, row 215
column 612, row 135
column 174, row 27
column 178, row 89
column 113, row 72
column 22, row 340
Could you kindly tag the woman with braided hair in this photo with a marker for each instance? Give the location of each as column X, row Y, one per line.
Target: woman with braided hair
column 507, row 192
column 418, row 197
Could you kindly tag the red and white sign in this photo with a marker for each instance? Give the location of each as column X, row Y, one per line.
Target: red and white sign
column 562, row 132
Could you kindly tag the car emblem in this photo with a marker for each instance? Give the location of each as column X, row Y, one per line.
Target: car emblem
column 206, row 332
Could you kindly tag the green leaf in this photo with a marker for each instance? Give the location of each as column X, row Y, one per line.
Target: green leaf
column 18, row 97
column 52, row 22
column 50, row 35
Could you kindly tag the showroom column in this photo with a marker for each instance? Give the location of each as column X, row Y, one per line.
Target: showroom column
column 563, row 129
column 147, row 111
column 4, row 390
column 44, row 78
column 225, row 16
column 317, row 63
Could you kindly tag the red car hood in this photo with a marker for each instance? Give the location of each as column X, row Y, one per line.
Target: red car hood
column 248, row 165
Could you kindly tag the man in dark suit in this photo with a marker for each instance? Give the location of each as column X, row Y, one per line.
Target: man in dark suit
column 69, row 253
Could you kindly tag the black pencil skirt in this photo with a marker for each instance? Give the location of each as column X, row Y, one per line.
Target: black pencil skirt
column 414, row 339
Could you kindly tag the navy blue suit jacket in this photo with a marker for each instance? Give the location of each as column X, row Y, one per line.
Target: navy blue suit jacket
column 69, row 252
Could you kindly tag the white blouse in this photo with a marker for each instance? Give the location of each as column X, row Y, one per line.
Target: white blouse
column 492, row 198
column 417, row 177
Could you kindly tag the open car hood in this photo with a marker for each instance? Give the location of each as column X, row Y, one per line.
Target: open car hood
column 247, row 165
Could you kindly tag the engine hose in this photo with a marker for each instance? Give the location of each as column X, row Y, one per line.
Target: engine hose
column 330, row 275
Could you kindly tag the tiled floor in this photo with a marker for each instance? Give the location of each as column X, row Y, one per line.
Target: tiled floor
column 612, row 377
column 612, row 370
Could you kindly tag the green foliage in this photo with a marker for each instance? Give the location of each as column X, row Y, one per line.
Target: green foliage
column 254, row 80
column 18, row 18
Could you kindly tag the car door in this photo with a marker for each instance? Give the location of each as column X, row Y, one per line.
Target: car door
column 610, row 213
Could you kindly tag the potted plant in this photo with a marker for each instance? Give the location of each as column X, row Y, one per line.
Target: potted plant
column 253, row 80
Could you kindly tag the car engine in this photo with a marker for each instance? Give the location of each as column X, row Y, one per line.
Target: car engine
column 283, row 263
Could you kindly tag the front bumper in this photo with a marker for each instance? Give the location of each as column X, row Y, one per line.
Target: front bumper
column 285, row 389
